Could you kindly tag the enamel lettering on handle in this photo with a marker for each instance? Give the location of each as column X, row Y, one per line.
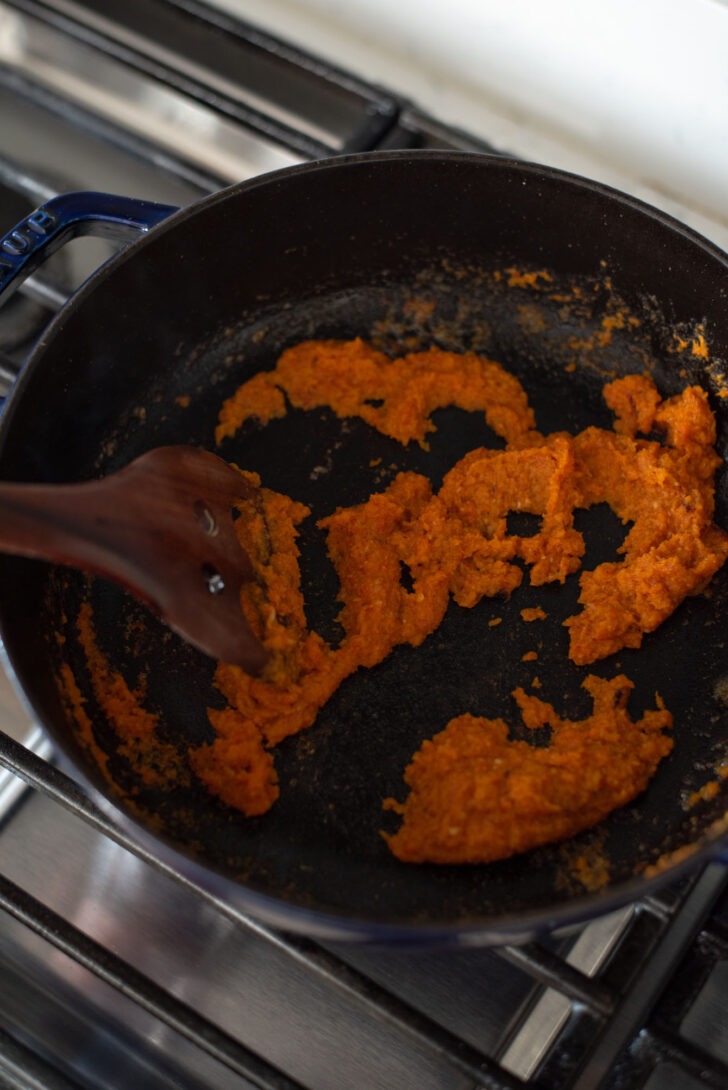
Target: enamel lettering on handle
column 30, row 233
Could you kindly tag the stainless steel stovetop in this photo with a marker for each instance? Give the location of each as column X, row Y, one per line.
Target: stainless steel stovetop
column 115, row 971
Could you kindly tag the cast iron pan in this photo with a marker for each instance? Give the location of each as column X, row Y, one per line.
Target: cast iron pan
column 341, row 249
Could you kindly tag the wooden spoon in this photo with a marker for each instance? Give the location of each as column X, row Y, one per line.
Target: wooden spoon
column 163, row 527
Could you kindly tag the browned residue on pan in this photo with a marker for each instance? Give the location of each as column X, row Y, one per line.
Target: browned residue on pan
column 670, row 859
column 603, row 335
column 586, row 867
column 710, row 789
column 455, row 544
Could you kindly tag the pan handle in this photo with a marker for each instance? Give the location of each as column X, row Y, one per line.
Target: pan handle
column 68, row 216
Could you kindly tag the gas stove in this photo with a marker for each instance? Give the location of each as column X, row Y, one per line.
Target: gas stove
column 115, row 970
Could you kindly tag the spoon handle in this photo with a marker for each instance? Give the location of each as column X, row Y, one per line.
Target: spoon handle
column 63, row 523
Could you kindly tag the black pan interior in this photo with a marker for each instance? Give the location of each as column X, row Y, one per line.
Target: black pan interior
column 349, row 251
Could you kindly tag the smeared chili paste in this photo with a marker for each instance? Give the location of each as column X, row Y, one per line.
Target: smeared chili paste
column 157, row 763
column 475, row 794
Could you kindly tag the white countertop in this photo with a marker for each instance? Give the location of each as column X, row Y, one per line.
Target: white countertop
column 632, row 92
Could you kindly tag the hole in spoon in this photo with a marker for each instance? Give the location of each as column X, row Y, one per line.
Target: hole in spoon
column 205, row 518
column 215, row 582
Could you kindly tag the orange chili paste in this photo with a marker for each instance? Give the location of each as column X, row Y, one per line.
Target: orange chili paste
column 156, row 762
column 475, row 795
